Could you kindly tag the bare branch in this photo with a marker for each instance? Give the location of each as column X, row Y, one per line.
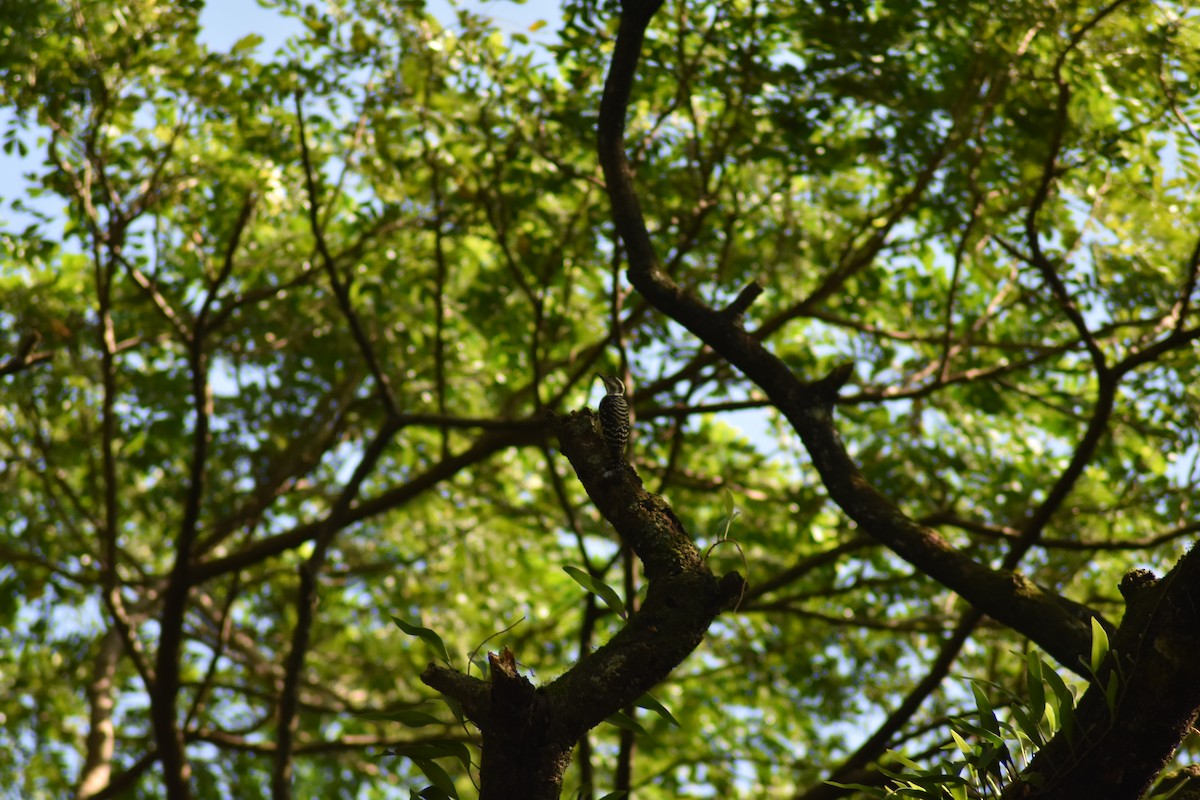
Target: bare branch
column 25, row 356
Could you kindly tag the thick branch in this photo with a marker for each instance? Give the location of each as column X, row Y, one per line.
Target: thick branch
column 1120, row 746
column 528, row 733
column 163, row 699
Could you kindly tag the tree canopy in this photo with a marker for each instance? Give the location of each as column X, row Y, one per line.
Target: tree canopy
column 296, row 347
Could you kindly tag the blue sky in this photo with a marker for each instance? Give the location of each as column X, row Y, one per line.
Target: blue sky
column 225, row 21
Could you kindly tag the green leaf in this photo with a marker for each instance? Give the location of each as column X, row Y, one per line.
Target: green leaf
column 731, row 513
column 1099, row 645
column 436, row 748
column 962, row 744
column 432, row 793
column 450, row 748
column 1035, row 686
column 1110, row 692
column 904, row 760
column 455, row 709
column 874, row 791
column 598, row 588
column 434, row 772
column 1051, row 717
column 246, row 44
column 991, row 737
column 408, row 718
column 430, row 637
column 136, row 442
column 622, row 720
column 1026, row 724
column 987, row 717
column 1066, row 703
column 648, row 702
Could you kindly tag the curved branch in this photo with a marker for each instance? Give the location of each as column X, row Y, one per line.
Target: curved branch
column 486, row 445
column 1058, row 625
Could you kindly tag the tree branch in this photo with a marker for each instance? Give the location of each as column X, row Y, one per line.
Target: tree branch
column 1119, row 746
column 487, row 444
column 1058, row 625
column 341, row 289
column 528, row 733
column 878, row 742
column 306, row 609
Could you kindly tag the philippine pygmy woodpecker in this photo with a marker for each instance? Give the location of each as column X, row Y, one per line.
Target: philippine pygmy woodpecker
column 614, row 417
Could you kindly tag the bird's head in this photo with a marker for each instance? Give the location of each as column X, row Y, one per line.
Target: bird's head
column 612, row 385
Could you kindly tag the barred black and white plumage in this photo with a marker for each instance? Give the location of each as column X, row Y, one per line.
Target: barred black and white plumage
column 614, row 417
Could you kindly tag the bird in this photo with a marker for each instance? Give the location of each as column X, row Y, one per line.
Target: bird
column 614, row 417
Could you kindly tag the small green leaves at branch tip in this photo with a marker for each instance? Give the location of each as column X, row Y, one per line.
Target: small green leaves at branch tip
column 732, row 512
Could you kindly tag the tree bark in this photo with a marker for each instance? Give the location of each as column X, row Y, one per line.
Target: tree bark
column 529, row 732
column 101, row 738
column 1123, row 741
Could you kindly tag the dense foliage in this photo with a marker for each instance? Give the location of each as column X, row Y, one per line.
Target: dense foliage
column 281, row 332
